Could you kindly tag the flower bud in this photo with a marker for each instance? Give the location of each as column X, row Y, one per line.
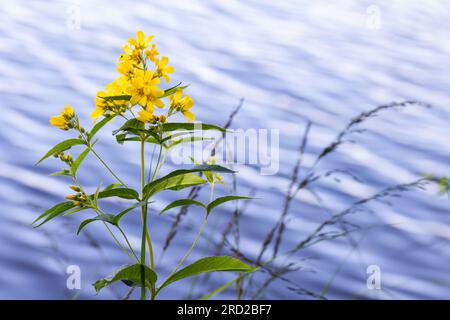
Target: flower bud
column 75, row 188
column 72, row 197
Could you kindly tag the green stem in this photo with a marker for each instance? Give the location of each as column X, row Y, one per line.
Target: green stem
column 144, row 223
column 117, row 240
column 107, row 167
column 128, row 242
column 158, row 165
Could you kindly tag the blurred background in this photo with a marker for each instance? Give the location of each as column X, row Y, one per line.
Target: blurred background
column 292, row 62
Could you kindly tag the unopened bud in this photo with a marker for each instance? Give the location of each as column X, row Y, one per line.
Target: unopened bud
column 75, row 188
column 162, row 118
column 72, row 197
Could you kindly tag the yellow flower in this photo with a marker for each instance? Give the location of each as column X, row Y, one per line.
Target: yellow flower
column 162, row 70
column 141, row 42
column 63, row 120
column 162, row 118
column 182, row 104
column 144, row 90
column 68, row 112
column 152, row 53
column 130, row 54
column 116, row 88
column 59, row 121
column 125, row 67
column 145, row 116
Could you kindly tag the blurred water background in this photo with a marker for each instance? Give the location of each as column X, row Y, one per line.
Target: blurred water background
column 292, row 61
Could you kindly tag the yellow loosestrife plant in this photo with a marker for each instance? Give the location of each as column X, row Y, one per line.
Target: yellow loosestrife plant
column 136, row 98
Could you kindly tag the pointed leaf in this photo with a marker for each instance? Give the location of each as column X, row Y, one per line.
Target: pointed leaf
column 180, row 203
column 60, row 173
column 98, row 126
column 172, row 90
column 221, row 200
column 66, row 144
column 131, row 273
column 78, row 161
column 75, row 210
column 119, row 97
column 116, row 218
column 112, row 186
column 131, row 124
column 187, row 140
column 105, row 218
column 209, row 264
column 177, row 182
column 54, row 212
column 173, row 126
column 167, row 182
column 124, row 193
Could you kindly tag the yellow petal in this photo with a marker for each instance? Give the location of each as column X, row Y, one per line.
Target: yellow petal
column 58, row 121
column 162, row 63
column 143, row 101
column 189, row 116
column 135, row 99
column 145, row 116
column 97, row 113
column 158, row 103
column 68, row 111
column 169, row 69
column 140, row 36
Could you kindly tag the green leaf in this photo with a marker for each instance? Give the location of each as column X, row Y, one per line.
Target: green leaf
column 172, row 90
column 132, row 124
column 187, row 140
column 179, row 179
column 96, row 193
column 60, row 173
column 112, row 186
column 220, row 289
column 221, row 200
column 177, row 134
column 106, row 218
column 110, row 218
column 173, row 126
column 98, row 126
column 54, row 212
column 177, row 182
column 180, row 203
column 66, row 144
column 121, row 138
column 209, row 264
column 77, row 209
column 131, row 273
column 117, row 217
column 119, row 97
column 77, row 162
column 124, row 193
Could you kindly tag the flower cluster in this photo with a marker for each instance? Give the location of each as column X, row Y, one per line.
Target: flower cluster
column 80, row 199
column 64, row 120
column 141, row 71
